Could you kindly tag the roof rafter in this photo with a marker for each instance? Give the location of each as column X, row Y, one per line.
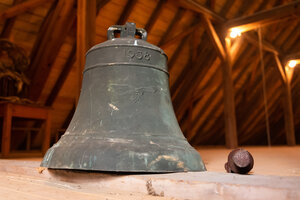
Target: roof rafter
column 176, row 18
column 126, row 12
column 57, row 28
column 193, row 5
column 21, row 8
column 266, row 17
column 179, row 36
column 154, row 16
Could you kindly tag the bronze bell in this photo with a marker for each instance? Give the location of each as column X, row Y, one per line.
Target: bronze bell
column 124, row 120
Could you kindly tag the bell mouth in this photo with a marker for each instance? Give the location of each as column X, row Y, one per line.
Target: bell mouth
column 121, row 155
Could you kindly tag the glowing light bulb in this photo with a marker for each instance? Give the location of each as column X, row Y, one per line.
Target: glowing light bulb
column 292, row 63
column 235, row 32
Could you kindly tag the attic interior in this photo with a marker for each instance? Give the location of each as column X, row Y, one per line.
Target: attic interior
column 234, row 67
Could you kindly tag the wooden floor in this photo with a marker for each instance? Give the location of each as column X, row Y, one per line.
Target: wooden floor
column 276, row 175
column 278, row 160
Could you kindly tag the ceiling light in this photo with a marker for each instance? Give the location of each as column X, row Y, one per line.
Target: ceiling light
column 292, row 63
column 235, row 32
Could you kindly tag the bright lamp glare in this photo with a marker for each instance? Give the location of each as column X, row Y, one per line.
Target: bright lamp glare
column 235, row 32
column 292, row 63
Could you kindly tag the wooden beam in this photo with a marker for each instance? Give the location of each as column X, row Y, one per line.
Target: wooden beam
column 6, row 129
column 21, row 8
column 62, row 78
column 235, row 49
column 177, row 51
column 7, row 27
column 292, row 56
column 191, row 4
column 214, row 37
column 174, row 21
column 86, row 33
column 288, row 115
column 218, row 105
column 195, row 6
column 267, row 17
column 100, row 5
column 53, row 36
column 126, row 12
column 176, row 85
column 248, row 110
column 154, row 16
column 287, row 102
column 259, row 116
column 266, row 45
column 280, row 69
column 229, row 105
column 193, row 77
column 8, row 24
column 179, row 36
column 41, row 34
column 69, row 117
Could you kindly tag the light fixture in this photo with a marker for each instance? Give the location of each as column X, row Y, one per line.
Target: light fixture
column 292, row 63
column 234, row 32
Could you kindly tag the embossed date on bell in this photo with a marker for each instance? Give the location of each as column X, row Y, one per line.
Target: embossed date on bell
column 138, row 54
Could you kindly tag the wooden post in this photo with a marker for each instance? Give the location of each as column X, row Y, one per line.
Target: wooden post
column 288, row 108
column 286, row 78
column 47, row 134
column 86, row 32
column 229, row 105
column 6, row 129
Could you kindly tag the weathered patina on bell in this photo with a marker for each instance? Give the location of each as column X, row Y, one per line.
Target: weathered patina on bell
column 124, row 120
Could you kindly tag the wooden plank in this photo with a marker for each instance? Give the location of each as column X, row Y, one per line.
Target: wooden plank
column 192, row 79
column 154, row 16
column 25, row 180
column 55, row 32
column 8, row 24
column 7, row 27
column 255, row 111
column 42, row 33
column 179, row 36
column 86, row 33
column 6, row 129
column 200, row 126
column 259, row 116
column 100, row 5
column 30, row 112
column 267, row 17
column 195, row 6
column 229, row 105
column 21, row 8
column 62, row 78
column 171, row 26
column 126, row 12
column 177, row 51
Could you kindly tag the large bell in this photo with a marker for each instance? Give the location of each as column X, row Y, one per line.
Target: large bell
column 124, row 120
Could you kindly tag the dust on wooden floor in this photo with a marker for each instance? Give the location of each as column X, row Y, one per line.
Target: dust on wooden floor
column 23, row 179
